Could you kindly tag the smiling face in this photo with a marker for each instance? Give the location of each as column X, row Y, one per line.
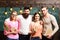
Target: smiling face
column 37, row 17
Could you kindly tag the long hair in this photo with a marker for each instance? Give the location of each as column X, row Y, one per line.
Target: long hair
column 33, row 18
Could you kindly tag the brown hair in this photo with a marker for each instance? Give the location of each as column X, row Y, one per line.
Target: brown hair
column 44, row 7
column 33, row 18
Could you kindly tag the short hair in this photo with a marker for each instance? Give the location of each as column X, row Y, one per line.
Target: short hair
column 44, row 7
column 26, row 8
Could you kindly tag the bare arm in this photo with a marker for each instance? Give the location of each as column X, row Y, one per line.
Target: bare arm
column 19, row 23
column 30, row 26
column 54, row 22
column 7, row 29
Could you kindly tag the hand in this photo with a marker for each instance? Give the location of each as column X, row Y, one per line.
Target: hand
column 20, row 33
column 14, row 30
column 49, row 36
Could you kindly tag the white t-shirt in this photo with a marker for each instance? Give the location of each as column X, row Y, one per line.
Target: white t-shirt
column 24, row 29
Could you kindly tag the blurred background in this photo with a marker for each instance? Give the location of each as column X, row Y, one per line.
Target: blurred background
column 6, row 6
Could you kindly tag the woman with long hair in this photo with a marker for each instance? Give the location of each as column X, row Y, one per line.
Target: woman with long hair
column 11, row 27
column 36, row 27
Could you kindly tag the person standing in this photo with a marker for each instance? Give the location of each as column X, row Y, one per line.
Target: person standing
column 48, row 20
column 26, row 19
column 36, row 27
column 11, row 27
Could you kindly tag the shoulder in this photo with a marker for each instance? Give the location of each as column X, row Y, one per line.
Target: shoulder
column 8, row 19
column 19, row 15
column 52, row 17
column 30, row 15
column 32, row 23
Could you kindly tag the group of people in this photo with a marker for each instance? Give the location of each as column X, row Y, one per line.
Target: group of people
column 30, row 27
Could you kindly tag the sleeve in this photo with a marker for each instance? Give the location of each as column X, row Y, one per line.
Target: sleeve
column 6, row 24
column 6, row 21
column 54, row 22
column 30, row 26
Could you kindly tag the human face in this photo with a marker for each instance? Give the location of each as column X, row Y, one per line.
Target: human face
column 37, row 17
column 44, row 11
column 26, row 11
column 13, row 15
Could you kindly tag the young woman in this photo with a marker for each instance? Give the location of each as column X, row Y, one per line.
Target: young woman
column 11, row 27
column 36, row 27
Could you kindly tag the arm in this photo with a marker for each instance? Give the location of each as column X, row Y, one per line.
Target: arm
column 42, row 26
column 7, row 32
column 19, row 23
column 6, row 26
column 30, row 26
column 7, row 29
column 41, row 22
column 54, row 22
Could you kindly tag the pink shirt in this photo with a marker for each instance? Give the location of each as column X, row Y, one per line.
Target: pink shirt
column 15, row 25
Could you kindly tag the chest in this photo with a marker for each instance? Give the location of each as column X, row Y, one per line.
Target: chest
column 26, row 21
column 47, row 20
column 37, row 26
column 13, row 24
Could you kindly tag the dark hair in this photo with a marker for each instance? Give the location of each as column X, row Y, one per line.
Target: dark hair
column 44, row 7
column 33, row 18
column 26, row 8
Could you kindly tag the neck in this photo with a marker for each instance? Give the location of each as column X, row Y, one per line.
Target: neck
column 12, row 20
column 36, row 20
column 46, row 15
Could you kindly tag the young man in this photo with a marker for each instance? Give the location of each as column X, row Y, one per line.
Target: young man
column 48, row 20
column 25, row 19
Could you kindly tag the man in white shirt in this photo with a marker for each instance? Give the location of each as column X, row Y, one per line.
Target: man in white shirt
column 25, row 19
column 48, row 20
